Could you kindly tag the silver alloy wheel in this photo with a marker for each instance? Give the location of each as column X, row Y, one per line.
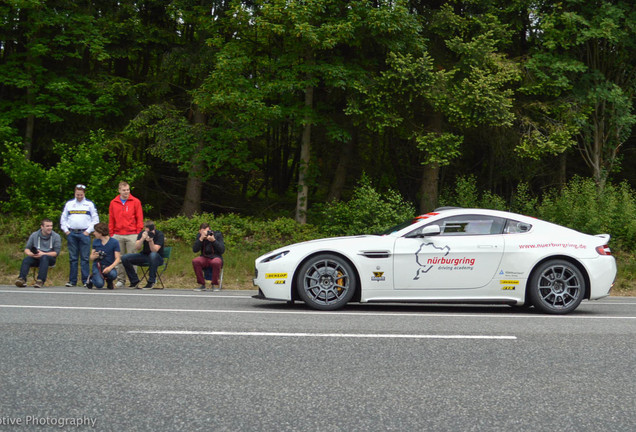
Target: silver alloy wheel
column 326, row 282
column 557, row 287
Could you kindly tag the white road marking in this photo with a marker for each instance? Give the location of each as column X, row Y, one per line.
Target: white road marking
column 321, row 313
column 187, row 294
column 325, row 335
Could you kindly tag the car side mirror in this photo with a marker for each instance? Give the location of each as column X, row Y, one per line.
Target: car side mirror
column 427, row 231
column 431, row 230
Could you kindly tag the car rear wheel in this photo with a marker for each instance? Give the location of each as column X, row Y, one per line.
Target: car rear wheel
column 557, row 287
column 326, row 282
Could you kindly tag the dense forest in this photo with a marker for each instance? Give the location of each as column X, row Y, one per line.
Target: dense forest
column 270, row 107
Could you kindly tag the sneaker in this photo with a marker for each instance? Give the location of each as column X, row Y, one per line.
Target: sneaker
column 38, row 284
column 134, row 285
column 149, row 286
column 109, row 284
column 19, row 282
column 89, row 285
column 68, row 284
column 199, row 288
column 119, row 284
column 216, row 289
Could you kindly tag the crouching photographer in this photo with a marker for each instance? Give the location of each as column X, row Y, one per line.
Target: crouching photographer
column 106, row 256
column 211, row 246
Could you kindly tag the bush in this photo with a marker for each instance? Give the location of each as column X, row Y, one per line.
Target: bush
column 242, row 231
column 466, row 195
column 18, row 229
column 42, row 191
column 367, row 212
column 581, row 206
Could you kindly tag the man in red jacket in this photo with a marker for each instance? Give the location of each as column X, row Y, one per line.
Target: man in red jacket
column 125, row 221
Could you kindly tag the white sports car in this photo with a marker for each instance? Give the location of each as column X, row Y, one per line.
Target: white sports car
column 450, row 255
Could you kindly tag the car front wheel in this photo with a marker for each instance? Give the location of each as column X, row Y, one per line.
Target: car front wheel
column 326, row 282
column 557, row 287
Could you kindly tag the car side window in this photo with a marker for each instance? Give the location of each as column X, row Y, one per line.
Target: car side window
column 467, row 225
column 516, row 227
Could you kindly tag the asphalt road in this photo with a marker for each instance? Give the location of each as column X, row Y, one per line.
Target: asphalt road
column 178, row 360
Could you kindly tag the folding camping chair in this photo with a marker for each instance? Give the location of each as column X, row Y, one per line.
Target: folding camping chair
column 35, row 269
column 207, row 274
column 167, row 251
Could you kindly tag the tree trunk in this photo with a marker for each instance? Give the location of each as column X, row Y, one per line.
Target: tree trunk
column 562, row 180
column 194, row 187
column 30, row 126
column 30, row 119
column 340, row 176
column 430, row 173
column 429, row 187
column 303, row 166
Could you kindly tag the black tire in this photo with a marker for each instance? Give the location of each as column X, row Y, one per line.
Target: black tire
column 326, row 282
column 556, row 287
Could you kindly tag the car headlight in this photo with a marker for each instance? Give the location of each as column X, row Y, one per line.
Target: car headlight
column 275, row 257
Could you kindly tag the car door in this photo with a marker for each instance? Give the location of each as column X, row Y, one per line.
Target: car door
column 464, row 255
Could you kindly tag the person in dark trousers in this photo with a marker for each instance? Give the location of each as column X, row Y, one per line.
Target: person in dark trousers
column 210, row 244
column 41, row 251
column 106, row 257
column 77, row 221
column 150, row 240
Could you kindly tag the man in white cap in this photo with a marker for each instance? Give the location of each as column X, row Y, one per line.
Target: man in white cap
column 78, row 219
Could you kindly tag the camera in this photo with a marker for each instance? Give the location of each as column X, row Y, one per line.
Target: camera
column 34, row 250
column 101, row 255
column 210, row 233
column 151, row 234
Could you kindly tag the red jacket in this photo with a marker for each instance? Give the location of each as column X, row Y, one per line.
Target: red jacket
column 125, row 219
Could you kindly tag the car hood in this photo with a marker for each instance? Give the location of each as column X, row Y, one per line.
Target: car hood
column 338, row 243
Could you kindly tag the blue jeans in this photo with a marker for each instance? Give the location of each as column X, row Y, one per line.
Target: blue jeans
column 79, row 246
column 154, row 260
column 97, row 277
column 43, row 265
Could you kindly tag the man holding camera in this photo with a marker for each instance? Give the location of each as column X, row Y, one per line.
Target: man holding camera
column 210, row 244
column 150, row 241
column 106, row 257
column 41, row 251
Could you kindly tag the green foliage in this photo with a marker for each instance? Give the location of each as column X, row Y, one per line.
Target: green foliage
column 368, row 211
column 522, row 200
column 242, row 232
column 18, row 229
column 581, row 205
column 41, row 191
column 467, row 195
column 439, row 148
column 582, row 79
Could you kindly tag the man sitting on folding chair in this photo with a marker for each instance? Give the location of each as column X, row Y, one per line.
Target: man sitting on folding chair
column 150, row 240
column 210, row 244
column 41, row 251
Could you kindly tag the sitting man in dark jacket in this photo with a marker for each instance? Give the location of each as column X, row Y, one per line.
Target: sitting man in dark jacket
column 150, row 240
column 210, row 244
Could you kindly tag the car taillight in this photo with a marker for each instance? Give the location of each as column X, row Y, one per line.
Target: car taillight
column 604, row 250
